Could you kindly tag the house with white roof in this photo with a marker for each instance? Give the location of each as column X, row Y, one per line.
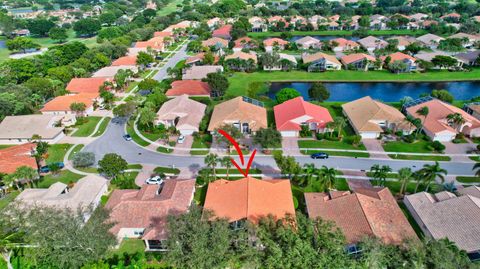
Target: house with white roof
column 182, row 113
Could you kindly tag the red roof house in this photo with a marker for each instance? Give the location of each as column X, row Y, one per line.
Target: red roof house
column 292, row 114
column 85, row 85
column 15, row 156
column 189, row 87
column 223, row 32
column 125, row 60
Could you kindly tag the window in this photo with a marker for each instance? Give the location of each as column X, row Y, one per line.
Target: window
column 138, row 232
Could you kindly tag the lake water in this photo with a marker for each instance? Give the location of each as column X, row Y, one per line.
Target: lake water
column 385, row 91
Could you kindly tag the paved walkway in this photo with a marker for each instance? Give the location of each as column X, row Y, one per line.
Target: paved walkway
column 375, row 145
column 290, row 146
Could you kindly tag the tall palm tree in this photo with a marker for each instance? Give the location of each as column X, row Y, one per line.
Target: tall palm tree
column 227, row 163
column 331, row 127
column 423, row 111
column 340, row 122
column 431, row 172
column 328, row 177
column 308, row 171
column 26, row 173
column 417, row 177
column 384, row 170
column 476, row 168
column 404, row 176
column 211, row 160
column 375, row 170
column 456, row 120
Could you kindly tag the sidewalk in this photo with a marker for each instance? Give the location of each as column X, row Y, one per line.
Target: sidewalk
column 374, row 147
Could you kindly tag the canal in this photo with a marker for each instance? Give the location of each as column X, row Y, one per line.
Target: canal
column 385, row 91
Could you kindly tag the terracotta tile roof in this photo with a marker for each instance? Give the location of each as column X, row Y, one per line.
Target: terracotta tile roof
column 342, row 42
column 451, row 15
column 250, row 199
column 146, row 209
column 85, row 85
column 363, row 114
column 436, row 120
column 163, row 34
column 199, row 58
column 189, row 87
column 186, row 112
column 62, row 103
column 444, row 215
column 287, row 114
column 398, row 56
column 271, row 42
column 15, row 156
column 154, row 43
column 125, row 60
column 215, row 41
column 367, row 212
column 351, row 58
column 223, row 31
column 308, row 58
column 243, row 42
column 238, row 110
column 242, row 56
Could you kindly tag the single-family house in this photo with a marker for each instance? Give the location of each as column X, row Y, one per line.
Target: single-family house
column 274, row 43
column 468, row 58
column 16, row 156
column 143, row 213
column 249, row 199
column 217, row 42
column 446, row 215
column 403, row 41
column 247, row 114
column 16, row 130
column 358, row 61
column 109, row 72
column 430, row 40
column 419, row 17
column 468, row 39
column 258, row 24
column 451, row 17
column 371, row 43
column 321, row 62
column 189, row 87
column 61, row 105
column 246, row 57
column 199, row 58
column 214, row 22
column 342, row 44
column 155, row 43
column 244, row 43
column 273, row 21
column 369, row 118
column 308, row 42
column 366, row 212
column 316, row 20
column 437, row 124
column 86, row 85
column 129, row 60
column 378, row 22
column 85, row 193
column 200, row 72
column 291, row 115
column 285, row 62
column 223, row 32
column 410, row 62
column 473, row 109
column 182, row 113
column 298, row 20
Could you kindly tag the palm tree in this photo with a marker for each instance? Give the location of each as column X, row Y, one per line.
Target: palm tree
column 340, row 123
column 456, row 120
column 8, row 238
column 329, row 176
column 430, row 172
column 308, row 170
column 423, row 111
column 211, row 160
column 404, row 176
column 227, row 163
column 26, row 173
column 331, row 127
column 375, row 170
column 477, row 168
column 384, row 170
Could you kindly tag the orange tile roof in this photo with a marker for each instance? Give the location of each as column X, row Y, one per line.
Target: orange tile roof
column 223, row 32
column 13, row 157
column 250, row 199
column 366, row 212
column 199, row 58
column 287, row 112
column 242, row 56
column 62, row 103
column 163, row 34
column 243, row 41
column 398, row 56
column 342, row 42
column 154, row 43
column 125, row 60
column 189, row 87
column 351, row 58
column 85, row 85
column 271, row 42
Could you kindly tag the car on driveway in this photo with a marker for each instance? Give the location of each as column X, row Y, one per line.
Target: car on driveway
column 155, row 180
column 181, row 139
column 319, row 155
column 46, row 168
column 127, row 137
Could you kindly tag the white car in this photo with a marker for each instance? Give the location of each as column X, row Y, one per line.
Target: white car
column 181, row 139
column 156, row 180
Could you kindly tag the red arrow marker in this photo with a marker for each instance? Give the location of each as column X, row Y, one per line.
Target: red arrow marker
column 239, row 151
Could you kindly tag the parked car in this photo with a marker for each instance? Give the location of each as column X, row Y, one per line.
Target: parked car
column 319, row 155
column 155, row 180
column 127, row 137
column 181, row 139
column 46, row 168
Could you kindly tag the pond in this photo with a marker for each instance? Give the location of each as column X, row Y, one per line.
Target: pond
column 385, row 91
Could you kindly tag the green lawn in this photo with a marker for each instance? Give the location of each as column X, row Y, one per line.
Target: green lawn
column 239, row 80
column 475, row 158
column 395, row 186
column 86, row 128
column 5, row 146
column 327, row 144
column 198, row 143
column 419, row 157
column 411, row 220
column 75, row 150
column 419, row 146
column 65, row 176
column 339, row 33
column 134, row 135
column 56, row 152
column 103, row 127
column 166, row 170
column 468, row 179
column 164, row 150
column 200, row 194
column 134, row 166
column 7, row 199
column 130, row 246
column 169, row 8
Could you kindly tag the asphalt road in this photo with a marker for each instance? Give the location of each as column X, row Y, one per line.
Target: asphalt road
column 180, row 55
column 113, row 142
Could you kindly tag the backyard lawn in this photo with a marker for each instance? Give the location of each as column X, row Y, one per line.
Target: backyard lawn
column 64, row 176
column 130, row 246
column 87, row 127
column 103, row 127
column 56, row 152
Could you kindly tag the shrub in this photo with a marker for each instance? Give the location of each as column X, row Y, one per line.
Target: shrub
column 409, row 138
column 398, row 133
column 305, row 132
column 437, row 146
column 319, row 136
column 83, row 159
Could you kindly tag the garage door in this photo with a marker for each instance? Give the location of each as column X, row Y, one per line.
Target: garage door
column 444, row 137
column 289, row 133
column 186, row 132
column 368, row 135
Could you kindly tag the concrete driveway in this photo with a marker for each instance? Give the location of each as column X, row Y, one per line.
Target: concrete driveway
column 184, row 148
column 290, row 146
column 375, row 145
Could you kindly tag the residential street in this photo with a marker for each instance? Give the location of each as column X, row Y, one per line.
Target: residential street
column 181, row 54
column 112, row 142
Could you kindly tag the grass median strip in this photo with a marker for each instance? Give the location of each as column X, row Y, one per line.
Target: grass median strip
column 102, row 127
column 75, row 150
column 86, row 126
column 419, row 157
column 464, row 179
column 134, row 135
column 166, row 170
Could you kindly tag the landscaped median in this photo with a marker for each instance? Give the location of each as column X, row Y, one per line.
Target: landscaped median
column 468, row 180
column 102, row 127
column 333, row 148
column 85, row 126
